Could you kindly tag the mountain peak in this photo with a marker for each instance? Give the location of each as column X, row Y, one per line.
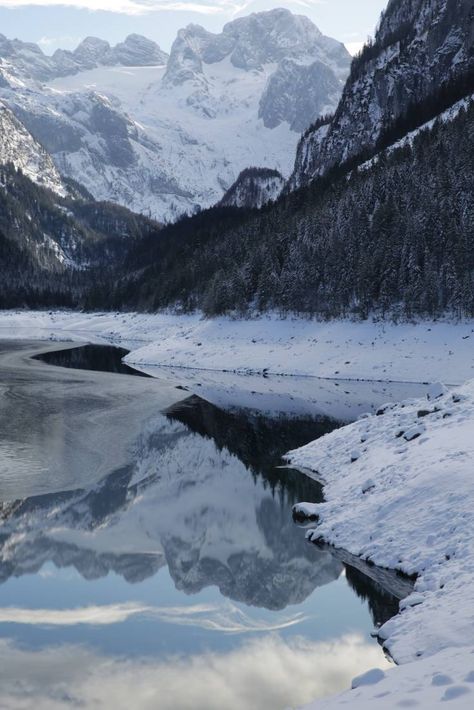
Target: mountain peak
column 94, row 46
column 91, row 41
column 254, row 188
column 137, row 50
column 252, row 42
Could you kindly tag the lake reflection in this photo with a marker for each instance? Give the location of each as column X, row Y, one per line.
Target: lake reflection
column 179, row 580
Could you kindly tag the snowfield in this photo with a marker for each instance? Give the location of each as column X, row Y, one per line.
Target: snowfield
column 184, row 134
column 423, row 352
column 399, row 491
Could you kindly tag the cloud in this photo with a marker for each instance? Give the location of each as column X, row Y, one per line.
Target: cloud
column 92, row 615
column 224, row 618
column 305, row 7
column 268, row 672
column 354, row 47
column 135, row 7
column 63, row 41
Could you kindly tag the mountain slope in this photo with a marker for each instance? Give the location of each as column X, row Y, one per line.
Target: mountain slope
column 421, row 48
column 19, row 148
column 51, row 247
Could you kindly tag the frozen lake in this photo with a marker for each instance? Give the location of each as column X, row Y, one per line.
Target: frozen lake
column 148, row 555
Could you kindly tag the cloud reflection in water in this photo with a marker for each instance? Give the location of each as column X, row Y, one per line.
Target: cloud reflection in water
column 224, row 618
column 280, row 674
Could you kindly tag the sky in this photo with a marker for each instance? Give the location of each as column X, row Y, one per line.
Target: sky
column 64, row 23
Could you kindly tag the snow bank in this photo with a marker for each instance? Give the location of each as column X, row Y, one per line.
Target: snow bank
column 417, row 516
column 416, row 685
column 428, row 351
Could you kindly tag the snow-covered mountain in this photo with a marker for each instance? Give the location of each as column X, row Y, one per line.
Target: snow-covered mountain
column 168, row 137
column 28, row 60
column 254, row 187
column 423, row 50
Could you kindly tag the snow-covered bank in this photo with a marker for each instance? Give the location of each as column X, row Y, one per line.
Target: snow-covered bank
column 399, row 491
column 429, row 683
column 427, row 351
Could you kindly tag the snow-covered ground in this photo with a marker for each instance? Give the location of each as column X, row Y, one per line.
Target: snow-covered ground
column 399, row 491
column 424, row 352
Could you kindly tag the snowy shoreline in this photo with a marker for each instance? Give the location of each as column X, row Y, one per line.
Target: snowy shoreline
column 399, row 492
column 428, row 351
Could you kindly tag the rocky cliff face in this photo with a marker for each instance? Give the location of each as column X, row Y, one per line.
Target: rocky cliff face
column 298, row 93
column 137, row 51
column 421, row 48
column 18, row 147
column 254, row 41
column 134, row 51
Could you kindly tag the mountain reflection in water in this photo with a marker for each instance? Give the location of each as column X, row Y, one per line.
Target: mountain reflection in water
column 205, row 497
column 188, row 552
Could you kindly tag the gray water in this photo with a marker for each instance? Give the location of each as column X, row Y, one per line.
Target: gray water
column 148, row 556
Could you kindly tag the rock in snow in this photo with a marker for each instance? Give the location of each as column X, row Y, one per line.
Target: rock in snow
column 305, row 511
column 435, row 391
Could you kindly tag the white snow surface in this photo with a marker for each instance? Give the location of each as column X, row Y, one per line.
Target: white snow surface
column 184, row 133
column 423, row 352
column 416, row 685
column 408, row 505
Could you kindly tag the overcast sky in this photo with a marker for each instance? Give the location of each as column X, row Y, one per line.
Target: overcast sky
column 63, row 23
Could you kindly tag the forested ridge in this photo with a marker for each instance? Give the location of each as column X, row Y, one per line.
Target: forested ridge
column 393, row 237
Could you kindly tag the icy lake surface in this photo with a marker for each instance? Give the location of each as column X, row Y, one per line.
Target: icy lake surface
column 148, row 556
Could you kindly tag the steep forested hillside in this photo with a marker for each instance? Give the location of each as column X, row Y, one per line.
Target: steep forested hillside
column 52, row 248
column 420, row 61
column 395, row 235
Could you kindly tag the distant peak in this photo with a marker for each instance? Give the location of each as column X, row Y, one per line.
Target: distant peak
column 194, row 29
column 93, row 42
column 138, row 39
